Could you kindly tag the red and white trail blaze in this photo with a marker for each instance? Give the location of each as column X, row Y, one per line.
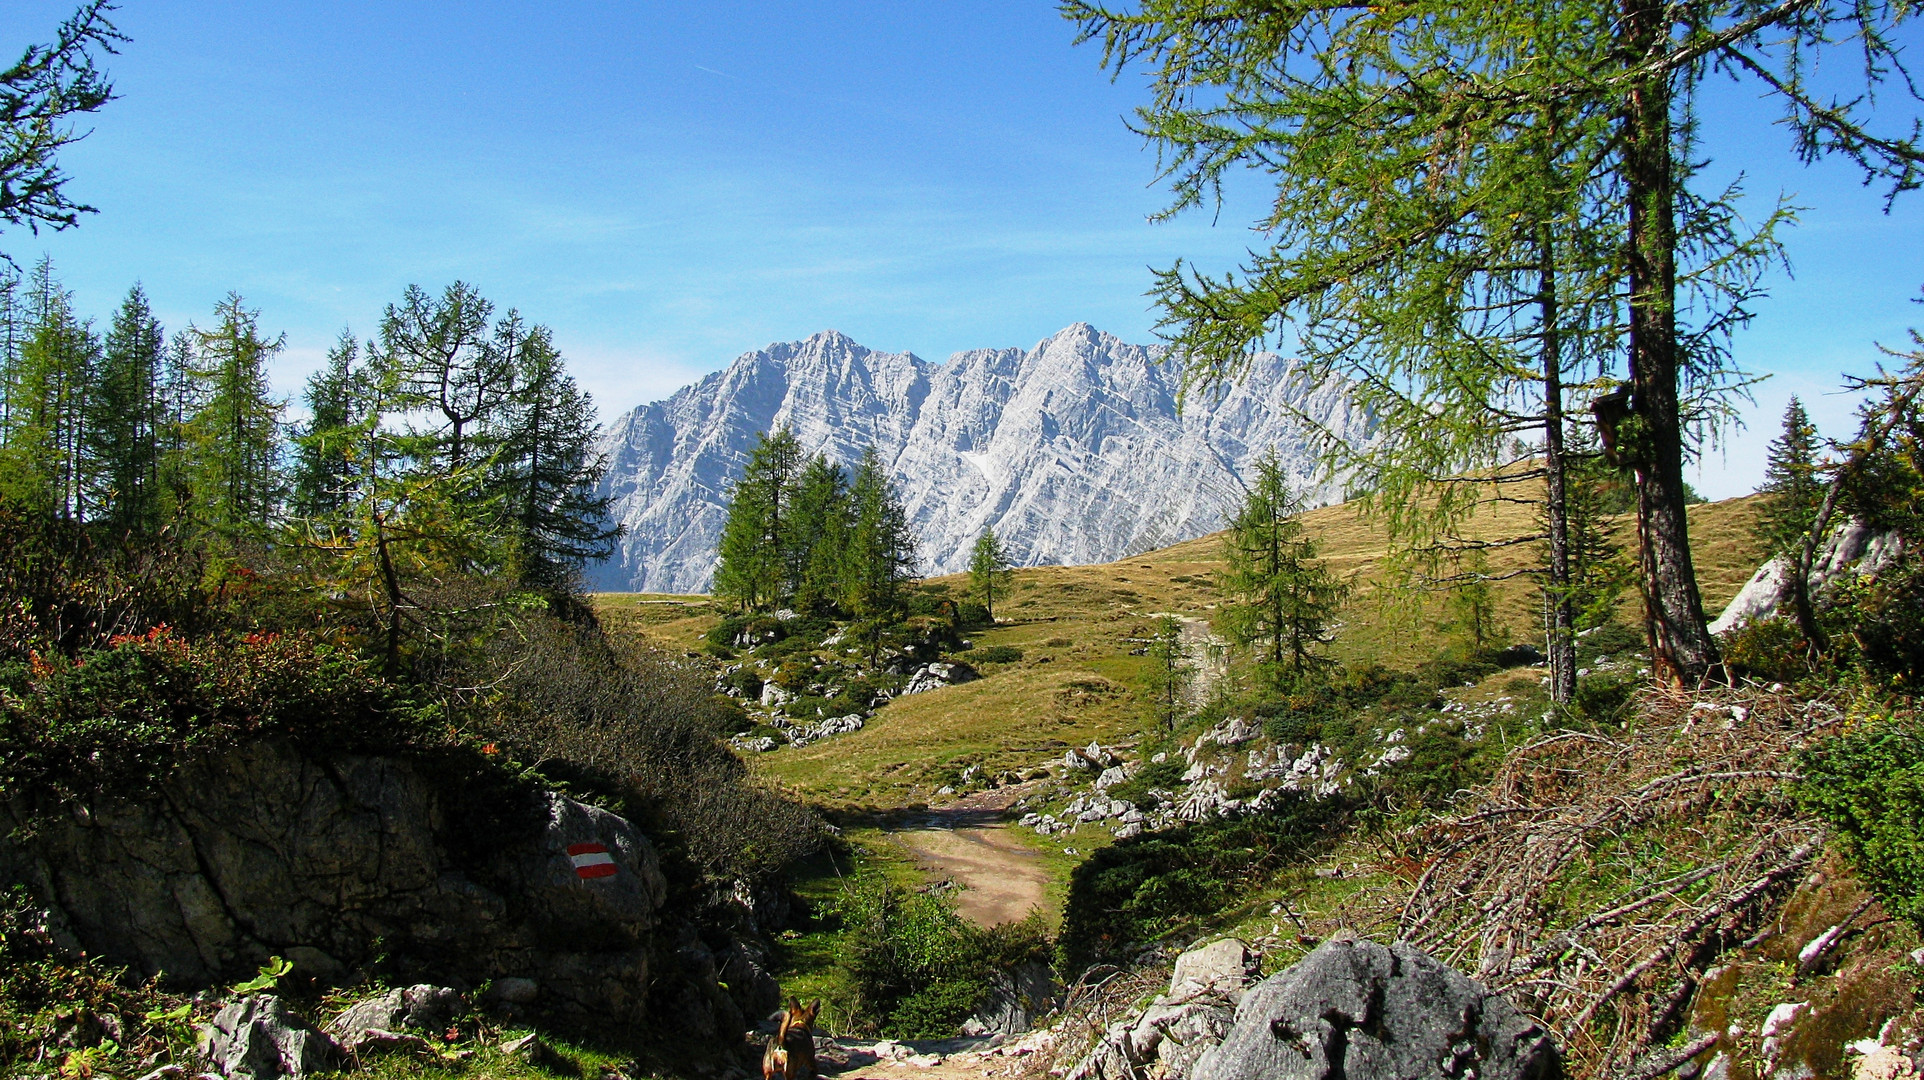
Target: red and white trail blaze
column 591, row 861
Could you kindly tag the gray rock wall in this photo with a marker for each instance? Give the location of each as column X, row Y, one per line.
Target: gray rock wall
column 266, row 851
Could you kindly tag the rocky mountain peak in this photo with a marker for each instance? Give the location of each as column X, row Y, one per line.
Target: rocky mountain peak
column 1073, row 451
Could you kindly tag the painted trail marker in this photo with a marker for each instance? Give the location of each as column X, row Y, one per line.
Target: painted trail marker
column 591, row 861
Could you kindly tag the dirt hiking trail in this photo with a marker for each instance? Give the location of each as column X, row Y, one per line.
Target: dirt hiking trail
column 969, row 843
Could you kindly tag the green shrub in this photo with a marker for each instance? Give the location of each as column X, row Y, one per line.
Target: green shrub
column 119, row 719
column 918, row 968
column 1882, row 616
column 1160, row 774
column 1604, row 698
column 1156, row 884
column 1769, row 650
column 996, row 654
column 1869, row 785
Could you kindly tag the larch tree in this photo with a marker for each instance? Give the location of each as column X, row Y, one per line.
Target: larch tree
column 881, row 546
column 989, row 570
column 328, row 451
column 752, row 565
column 41, row 94
column 1388, row 131
column 46, row 465
column 1285, row 596
column 818, row 533
column 237, row 487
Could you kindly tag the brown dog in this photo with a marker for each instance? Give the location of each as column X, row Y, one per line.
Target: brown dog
column 790, row 1053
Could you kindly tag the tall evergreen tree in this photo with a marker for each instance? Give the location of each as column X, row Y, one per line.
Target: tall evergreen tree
column 546, row 470
column 1286, row 598
column 236, row 434
column 818, row 534
column 46, row 464
column 753, row 562
column 128, row 418
column 327, row 445
column 13, row 334
column 881, row 547
column 1792, row 488
column 989, row 570
column 447, row 367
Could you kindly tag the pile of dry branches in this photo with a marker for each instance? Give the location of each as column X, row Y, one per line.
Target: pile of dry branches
column 1599, row 875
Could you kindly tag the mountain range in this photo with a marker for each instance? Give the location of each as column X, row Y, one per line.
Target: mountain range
column 1080, row 450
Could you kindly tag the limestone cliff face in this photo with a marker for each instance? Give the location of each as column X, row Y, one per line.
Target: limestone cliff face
column 1073, row 452
column 334, row 863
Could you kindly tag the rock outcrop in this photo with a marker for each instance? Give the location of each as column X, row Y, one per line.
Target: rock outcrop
column 1365, row 1011
column 1075, row 451
column 265, row 851
column 1853, row 548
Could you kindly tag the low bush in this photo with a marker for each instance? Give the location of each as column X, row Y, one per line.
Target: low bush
column 1158, row 884
column 1768, row 650
column 1164, row 774
column 1869, row 785
column 915, row 966
column 1604, row 698
column 996, row 654
column 636, row 729
column 116, row 720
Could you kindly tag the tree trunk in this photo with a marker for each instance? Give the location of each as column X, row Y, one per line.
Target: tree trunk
column 1559, row 620
column 1681, row 649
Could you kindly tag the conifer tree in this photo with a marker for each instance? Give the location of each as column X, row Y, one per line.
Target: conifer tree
column 235, row 435
column 446, row 367
column 546, row 470
column 752, row 564
column 46, row 465
column 881, row 547
column 1285, row 597
column 128, row 418
column 1170, row 670
column 989, row 570
column 818, row 534
column 1792, row 489
column 326, row 446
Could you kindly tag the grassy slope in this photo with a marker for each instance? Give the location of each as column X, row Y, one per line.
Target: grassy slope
column 1077, row 680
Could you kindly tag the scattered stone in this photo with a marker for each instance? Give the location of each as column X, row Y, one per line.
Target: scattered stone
column 1360, row 1009
column 257, row 1038
column 422, row 1007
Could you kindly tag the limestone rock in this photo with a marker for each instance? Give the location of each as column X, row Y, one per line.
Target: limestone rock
column 1016, row 1000
column 1852, row 548
column 263, row 850
column 1073, row 452
column 256, row 1038
column 422, row 1007
column 1364, row 1011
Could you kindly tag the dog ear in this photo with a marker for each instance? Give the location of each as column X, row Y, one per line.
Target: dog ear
column 808, row 1015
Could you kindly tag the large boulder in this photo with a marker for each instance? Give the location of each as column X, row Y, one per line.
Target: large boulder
column 1357, row 1010
column 266, row 850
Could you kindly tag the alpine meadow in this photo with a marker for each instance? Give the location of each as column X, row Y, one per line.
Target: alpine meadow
column 1310, row 656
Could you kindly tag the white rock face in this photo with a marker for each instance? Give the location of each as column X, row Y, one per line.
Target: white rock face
column 1073, row 452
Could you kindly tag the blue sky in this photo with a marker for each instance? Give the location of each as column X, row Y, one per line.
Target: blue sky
column 670, row 185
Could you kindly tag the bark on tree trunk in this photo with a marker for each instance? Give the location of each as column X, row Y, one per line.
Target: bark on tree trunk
column 1559, row 621
column 1681, row 648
